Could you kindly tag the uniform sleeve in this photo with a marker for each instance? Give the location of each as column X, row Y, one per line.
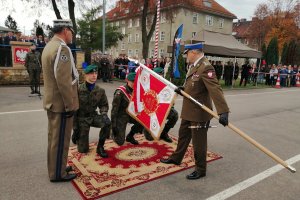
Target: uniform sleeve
column 26, row 61
column 214, row 89
column 64, row 78
column 115, row 107
column 103, row 103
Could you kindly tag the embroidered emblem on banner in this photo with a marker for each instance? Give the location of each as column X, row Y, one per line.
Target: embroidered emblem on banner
column 64, row 58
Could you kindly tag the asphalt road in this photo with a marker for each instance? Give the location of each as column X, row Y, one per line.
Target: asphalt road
column 270, row 116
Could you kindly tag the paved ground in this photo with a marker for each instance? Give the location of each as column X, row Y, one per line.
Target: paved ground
column 270, row 116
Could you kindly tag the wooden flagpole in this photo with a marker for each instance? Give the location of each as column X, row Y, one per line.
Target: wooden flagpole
column 243, row 135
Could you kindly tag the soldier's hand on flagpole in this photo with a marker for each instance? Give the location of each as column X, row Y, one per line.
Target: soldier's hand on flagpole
column 223, row 119
column 178, row 90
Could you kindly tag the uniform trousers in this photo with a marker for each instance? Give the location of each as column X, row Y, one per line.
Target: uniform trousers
column 34, row 77
column 199, row 140
column 84, row 129
column 59, row 133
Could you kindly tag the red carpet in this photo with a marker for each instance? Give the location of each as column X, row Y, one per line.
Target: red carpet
column 127, row 166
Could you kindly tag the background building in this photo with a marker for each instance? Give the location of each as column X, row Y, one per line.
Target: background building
column 196, row 16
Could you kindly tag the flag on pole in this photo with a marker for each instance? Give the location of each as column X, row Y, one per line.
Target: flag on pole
column 152, row 100
column 176, row 51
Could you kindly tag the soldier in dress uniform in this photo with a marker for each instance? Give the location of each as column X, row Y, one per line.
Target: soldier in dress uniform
column 172, row 118
column 91, row 97
column 201, row 83
column 120, row 118
column 61, row 98
column 33, row 66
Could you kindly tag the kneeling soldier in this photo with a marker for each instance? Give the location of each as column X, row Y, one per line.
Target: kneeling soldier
column 119, row 116
column 91, row 97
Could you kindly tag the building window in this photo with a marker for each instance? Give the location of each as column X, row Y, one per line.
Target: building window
column 123, row 30
column 137, row 53
column 152, row 38
column 221, row 23
column 195, row 18
column 126, row 11
column 123, row 22
column 163, row 18
column 209, row 20
column 136, row 38
column 207, row 3
column 117, row 23
column 129, row 53
column 194, row 34
column 122, row 46
column 129, row 38
column 152, row 53
column 137, row 22
column 161, row 53
column 129, row 23
column 162, row 36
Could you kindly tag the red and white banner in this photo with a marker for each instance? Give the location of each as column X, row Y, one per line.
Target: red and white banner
column 152, row 99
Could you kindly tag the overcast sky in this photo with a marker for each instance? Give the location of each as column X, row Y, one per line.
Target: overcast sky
column 25, row 15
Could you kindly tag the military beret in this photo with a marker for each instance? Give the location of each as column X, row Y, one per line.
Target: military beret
column 90, row 68
column 158, row 70
column 188, row 47
column 63, row 23
column 131, row 76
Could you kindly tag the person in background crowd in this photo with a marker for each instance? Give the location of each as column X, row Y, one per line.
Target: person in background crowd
column 261, row 74
column 219, row 70
column 40, row 43
column 167, row 65
column 171, row 119
column 228, row 73
column 268, row 78
column 289, row 76
column 111, row 68
column 7, row 50
column 120, row 118
column 201, row 83
column 2, row 50
column 245, row 74
column 61, row 98
column 283, row 76
column 91, row 98
column 34, row 68
column 254, row 74
column 294, row 77
column 273, row 75
column 148, row 63
column 236, row 72
column 105, row 68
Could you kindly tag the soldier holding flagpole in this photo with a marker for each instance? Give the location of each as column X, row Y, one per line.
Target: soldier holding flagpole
column 201, row 83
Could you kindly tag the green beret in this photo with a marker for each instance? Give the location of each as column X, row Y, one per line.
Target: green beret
column 131, row 76
column 158, row 70
column 90, row 68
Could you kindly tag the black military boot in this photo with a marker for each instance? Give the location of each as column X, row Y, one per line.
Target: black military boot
column 100, row 150
column 36, row 90
column 164, row 135
column 130, row 138
column 32, row 90
column 147, row 135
